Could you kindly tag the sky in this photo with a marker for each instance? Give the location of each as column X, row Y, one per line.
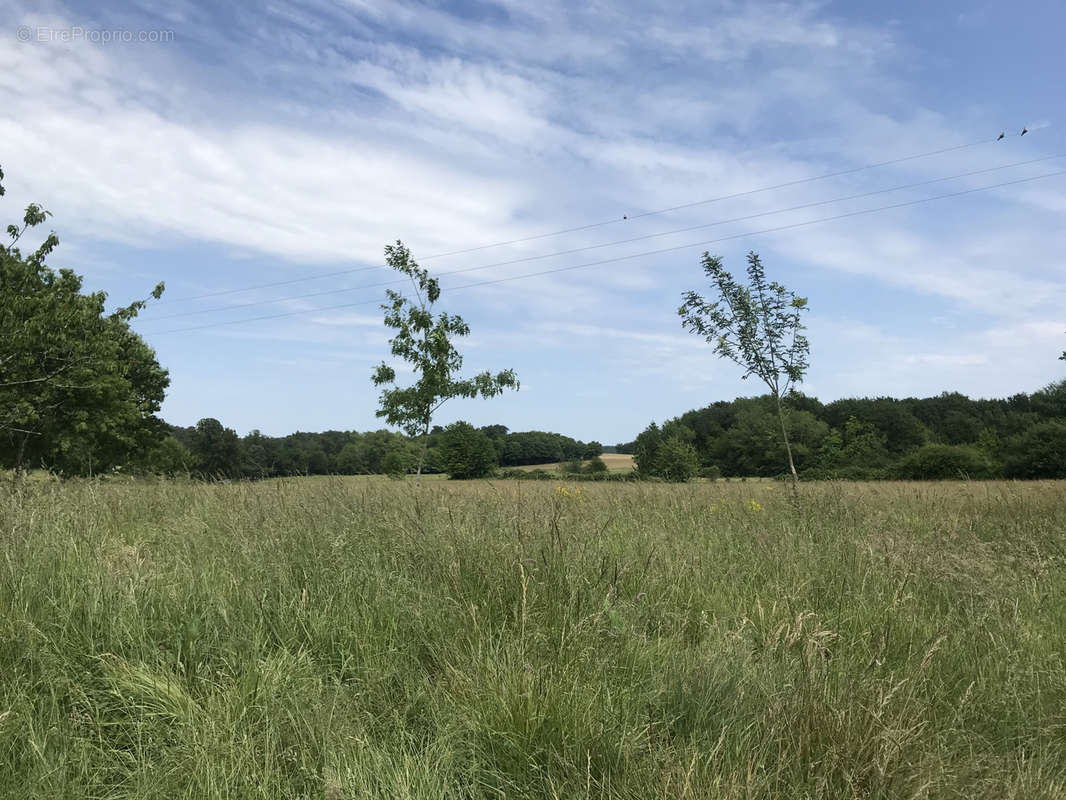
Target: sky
column 224, row 146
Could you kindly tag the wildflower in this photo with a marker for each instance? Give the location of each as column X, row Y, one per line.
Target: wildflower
column 562, row 491
column 754, row 506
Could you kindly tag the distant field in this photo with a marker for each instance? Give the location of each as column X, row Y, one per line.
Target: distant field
column 329, row 638
column 616, row 462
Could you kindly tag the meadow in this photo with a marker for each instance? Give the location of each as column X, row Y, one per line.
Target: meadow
column 363, row 638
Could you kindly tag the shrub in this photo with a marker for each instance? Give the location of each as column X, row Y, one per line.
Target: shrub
column 595, row 465
column 945, row 461
column 571, row 467
column 847, row 473
column 1040, row 452
column 397, row 462
column 676, row 460
column 711, row 473
column 466, row 452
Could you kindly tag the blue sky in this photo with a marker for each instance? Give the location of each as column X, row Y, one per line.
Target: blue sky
column 274, row 142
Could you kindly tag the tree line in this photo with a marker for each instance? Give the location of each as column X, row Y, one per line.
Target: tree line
column 947, row 436
column 209, row 449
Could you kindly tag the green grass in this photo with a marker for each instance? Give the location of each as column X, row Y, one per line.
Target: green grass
column 334, row 638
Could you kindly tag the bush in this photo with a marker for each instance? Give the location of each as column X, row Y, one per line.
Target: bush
column 945, row 461
column 711, row 473
column 595, row 465
column 397, row 462
column 571, row 467
column 676, row 460
column 1040, row 452
column 851, row 473
column 466, row 452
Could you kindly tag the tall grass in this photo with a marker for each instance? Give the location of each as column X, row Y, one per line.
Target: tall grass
column 328, row 638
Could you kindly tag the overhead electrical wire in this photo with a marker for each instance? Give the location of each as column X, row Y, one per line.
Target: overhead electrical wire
column 617, row 259
column 616, row 243
column 590, row 226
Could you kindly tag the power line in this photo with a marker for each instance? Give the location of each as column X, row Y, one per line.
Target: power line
column 617, row 259
column 733, row 196
column 275, row 284
column 645, row 237
column 601, row 224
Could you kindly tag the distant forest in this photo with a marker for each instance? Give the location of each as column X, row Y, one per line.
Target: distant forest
column 947, row 436
column 211, row 449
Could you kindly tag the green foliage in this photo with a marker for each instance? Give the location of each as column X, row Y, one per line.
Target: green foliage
column 398, row 462
column 79, row 390
column 758, row 327
column 853, row 439
column 646, row 450
column 945, row 462
column 466, row 452
column 424, row 341
column 677, row 460
column 540, row 447
column 666, row 453
column 711, row 473
column 216, row 450
column 572, row 467
column 595, row 465
column 169, row 457
column 752, row 445
column 1040, row 452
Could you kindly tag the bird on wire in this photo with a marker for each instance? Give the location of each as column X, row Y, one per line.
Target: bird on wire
column 1024, row 131
column 1002, row 136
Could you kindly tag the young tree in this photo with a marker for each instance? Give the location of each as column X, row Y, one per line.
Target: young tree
column 425, row 342
column 757, row 326
column 78, row 389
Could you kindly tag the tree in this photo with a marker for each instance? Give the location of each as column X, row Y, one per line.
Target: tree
column 398, row 461
column 425, row 342
column 752, row 445
column 216, row 450
column 259, row 455
column 666, row 453
column 596, row 466
column 676, row 460
column 646, row 450
column 1040, row 452
column 756, row 326
column 78, row 389
column 466, row 452
column 945, row 462
column 169, row 457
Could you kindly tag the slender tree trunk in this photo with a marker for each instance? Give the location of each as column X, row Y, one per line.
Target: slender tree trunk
column 788, row 447
column 422, row 455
